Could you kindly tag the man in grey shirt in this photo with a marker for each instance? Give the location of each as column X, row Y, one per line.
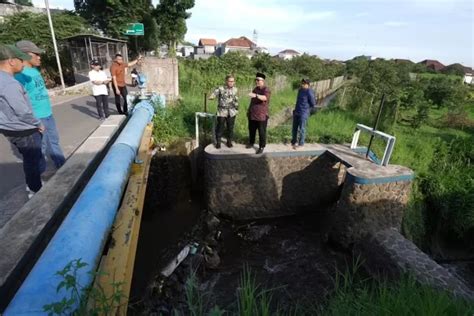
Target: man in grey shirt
column 17, row 121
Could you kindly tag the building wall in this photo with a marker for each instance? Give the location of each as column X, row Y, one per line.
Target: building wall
column 162, row 76
column 10, row 9
column 209, row 49
column 236, row 49
column 286, row 56
column 468, row 79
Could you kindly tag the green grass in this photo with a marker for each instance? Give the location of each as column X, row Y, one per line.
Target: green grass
column 405, row 297
column 414, row 148
column 417, row 149
column 177, row 121
column 353, row 295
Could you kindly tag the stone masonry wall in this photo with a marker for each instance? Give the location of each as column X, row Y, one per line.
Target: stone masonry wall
column 388, row 253
column 364, row 208
column 272, row 186
column 369, row 203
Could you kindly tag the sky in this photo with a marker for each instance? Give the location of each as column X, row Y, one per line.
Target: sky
column 339, row 29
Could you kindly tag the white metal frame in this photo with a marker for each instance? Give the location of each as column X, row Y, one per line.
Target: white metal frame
column 204, row 114
column 388, row 138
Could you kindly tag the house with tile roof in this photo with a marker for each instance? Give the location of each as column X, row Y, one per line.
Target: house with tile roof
column 432, row 64
column 242, row 44
column 288, row 54
column 206, row 46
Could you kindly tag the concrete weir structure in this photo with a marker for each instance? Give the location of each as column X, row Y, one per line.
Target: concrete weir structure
column 366, row 202
column 282, row 181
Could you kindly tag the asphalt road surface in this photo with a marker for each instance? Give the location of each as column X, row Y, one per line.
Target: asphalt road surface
column 76, row 119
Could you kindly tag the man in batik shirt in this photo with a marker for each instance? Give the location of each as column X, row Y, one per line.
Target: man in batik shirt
column 227, row 108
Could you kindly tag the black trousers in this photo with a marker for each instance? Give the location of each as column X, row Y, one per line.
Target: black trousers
column 221, row 122
column 261, row 126
column 102, row 104
column 123, row 94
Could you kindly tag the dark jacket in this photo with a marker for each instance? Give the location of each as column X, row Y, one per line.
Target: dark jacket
column 305, row 101
column 258, row 110
column 16, row 114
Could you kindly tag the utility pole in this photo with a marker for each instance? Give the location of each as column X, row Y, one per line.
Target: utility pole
column 46, row 2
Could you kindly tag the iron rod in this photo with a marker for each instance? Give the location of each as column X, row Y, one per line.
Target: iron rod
column 376, row 123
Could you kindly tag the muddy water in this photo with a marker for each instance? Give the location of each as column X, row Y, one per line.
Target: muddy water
column 171, row 210
column 289, row 255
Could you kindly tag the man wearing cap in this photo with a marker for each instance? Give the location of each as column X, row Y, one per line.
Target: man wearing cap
column 34, row 85
column 117, row 70
column 17, row 121
column 258, row 112
column 305, row 101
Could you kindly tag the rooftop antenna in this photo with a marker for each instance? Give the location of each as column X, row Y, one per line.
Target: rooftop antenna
column 255, row 36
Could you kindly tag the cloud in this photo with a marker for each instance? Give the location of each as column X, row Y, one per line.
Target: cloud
column 249, row 15
column 395, row 23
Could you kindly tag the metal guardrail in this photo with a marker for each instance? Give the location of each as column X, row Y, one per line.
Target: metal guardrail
column 205, row 115
column 388, row 138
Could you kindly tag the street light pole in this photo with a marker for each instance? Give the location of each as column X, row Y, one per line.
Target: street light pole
column 46, row 2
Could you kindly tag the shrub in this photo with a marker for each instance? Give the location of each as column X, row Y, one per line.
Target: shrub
column 35, row 27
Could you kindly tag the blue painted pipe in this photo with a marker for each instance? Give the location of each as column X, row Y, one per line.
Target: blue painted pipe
column 85, row 229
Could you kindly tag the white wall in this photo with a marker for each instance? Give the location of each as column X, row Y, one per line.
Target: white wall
column 286, row 56
column 468, row 79
column 209, row 49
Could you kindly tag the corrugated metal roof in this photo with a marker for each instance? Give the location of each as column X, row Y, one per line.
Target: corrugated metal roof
column 95, row 37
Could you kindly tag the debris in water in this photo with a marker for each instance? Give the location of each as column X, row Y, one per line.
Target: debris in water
column 168, row 270
column 212, row 222
column 254, row 233
column 212, row 258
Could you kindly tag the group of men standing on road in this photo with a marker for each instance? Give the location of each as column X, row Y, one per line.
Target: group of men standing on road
column 100, row 82
column 258, row 112
column 26, row 117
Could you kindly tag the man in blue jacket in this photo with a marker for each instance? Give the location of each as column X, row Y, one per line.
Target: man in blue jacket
column 305, row 101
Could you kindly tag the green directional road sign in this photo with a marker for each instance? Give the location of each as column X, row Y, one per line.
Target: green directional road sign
column 135, row 29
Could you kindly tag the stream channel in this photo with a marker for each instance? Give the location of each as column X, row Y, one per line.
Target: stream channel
column 289, row 255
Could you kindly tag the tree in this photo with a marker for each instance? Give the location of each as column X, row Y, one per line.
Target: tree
column 112, row 16
column 34, row 26
column 171, row 17
column 454, row 69
column 151, row 40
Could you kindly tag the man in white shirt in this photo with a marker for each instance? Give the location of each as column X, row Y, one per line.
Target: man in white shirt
column 100, row 91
